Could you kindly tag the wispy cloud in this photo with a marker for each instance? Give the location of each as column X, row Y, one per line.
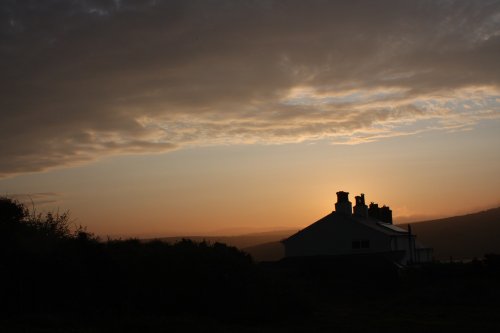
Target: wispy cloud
column 85, row 79
column 37, row 199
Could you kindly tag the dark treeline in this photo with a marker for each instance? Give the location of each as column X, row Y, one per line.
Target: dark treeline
column 47, row 267
column 49, row 270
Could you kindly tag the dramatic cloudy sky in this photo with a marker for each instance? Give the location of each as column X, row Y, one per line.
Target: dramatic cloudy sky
column 184, row 116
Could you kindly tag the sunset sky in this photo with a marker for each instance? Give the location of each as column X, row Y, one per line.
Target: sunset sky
column 150, row 118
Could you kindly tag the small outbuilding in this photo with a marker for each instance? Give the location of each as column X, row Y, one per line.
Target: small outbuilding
column 366, row 230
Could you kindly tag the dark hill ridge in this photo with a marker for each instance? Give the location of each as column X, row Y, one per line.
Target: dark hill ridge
column 461, row 237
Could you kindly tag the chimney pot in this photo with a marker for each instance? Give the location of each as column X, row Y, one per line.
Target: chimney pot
column 343, row 205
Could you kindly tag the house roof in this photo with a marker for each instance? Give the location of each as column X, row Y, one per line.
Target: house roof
column 386, row 228
column 335, row 217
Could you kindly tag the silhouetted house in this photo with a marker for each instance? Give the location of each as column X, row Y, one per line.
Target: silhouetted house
column 367, row 230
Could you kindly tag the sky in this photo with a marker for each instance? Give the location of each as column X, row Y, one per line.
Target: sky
column 150, row 118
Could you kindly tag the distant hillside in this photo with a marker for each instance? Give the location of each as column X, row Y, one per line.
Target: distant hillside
column 271, row 251
column 461, row 237
column 240, row 241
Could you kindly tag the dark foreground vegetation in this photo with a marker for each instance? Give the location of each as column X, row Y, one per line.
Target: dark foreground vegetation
column 56, row 279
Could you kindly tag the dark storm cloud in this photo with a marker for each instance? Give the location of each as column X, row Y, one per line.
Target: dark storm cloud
column 83, row 79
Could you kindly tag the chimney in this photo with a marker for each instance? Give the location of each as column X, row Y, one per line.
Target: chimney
column 386, row 214
column 383, row 214
column 343, row 205
column 360, row 209
column 374, row 211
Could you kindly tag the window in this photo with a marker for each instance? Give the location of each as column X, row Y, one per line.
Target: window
column 360, row 244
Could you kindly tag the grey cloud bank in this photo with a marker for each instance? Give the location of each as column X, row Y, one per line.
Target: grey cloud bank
column 84, row 79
